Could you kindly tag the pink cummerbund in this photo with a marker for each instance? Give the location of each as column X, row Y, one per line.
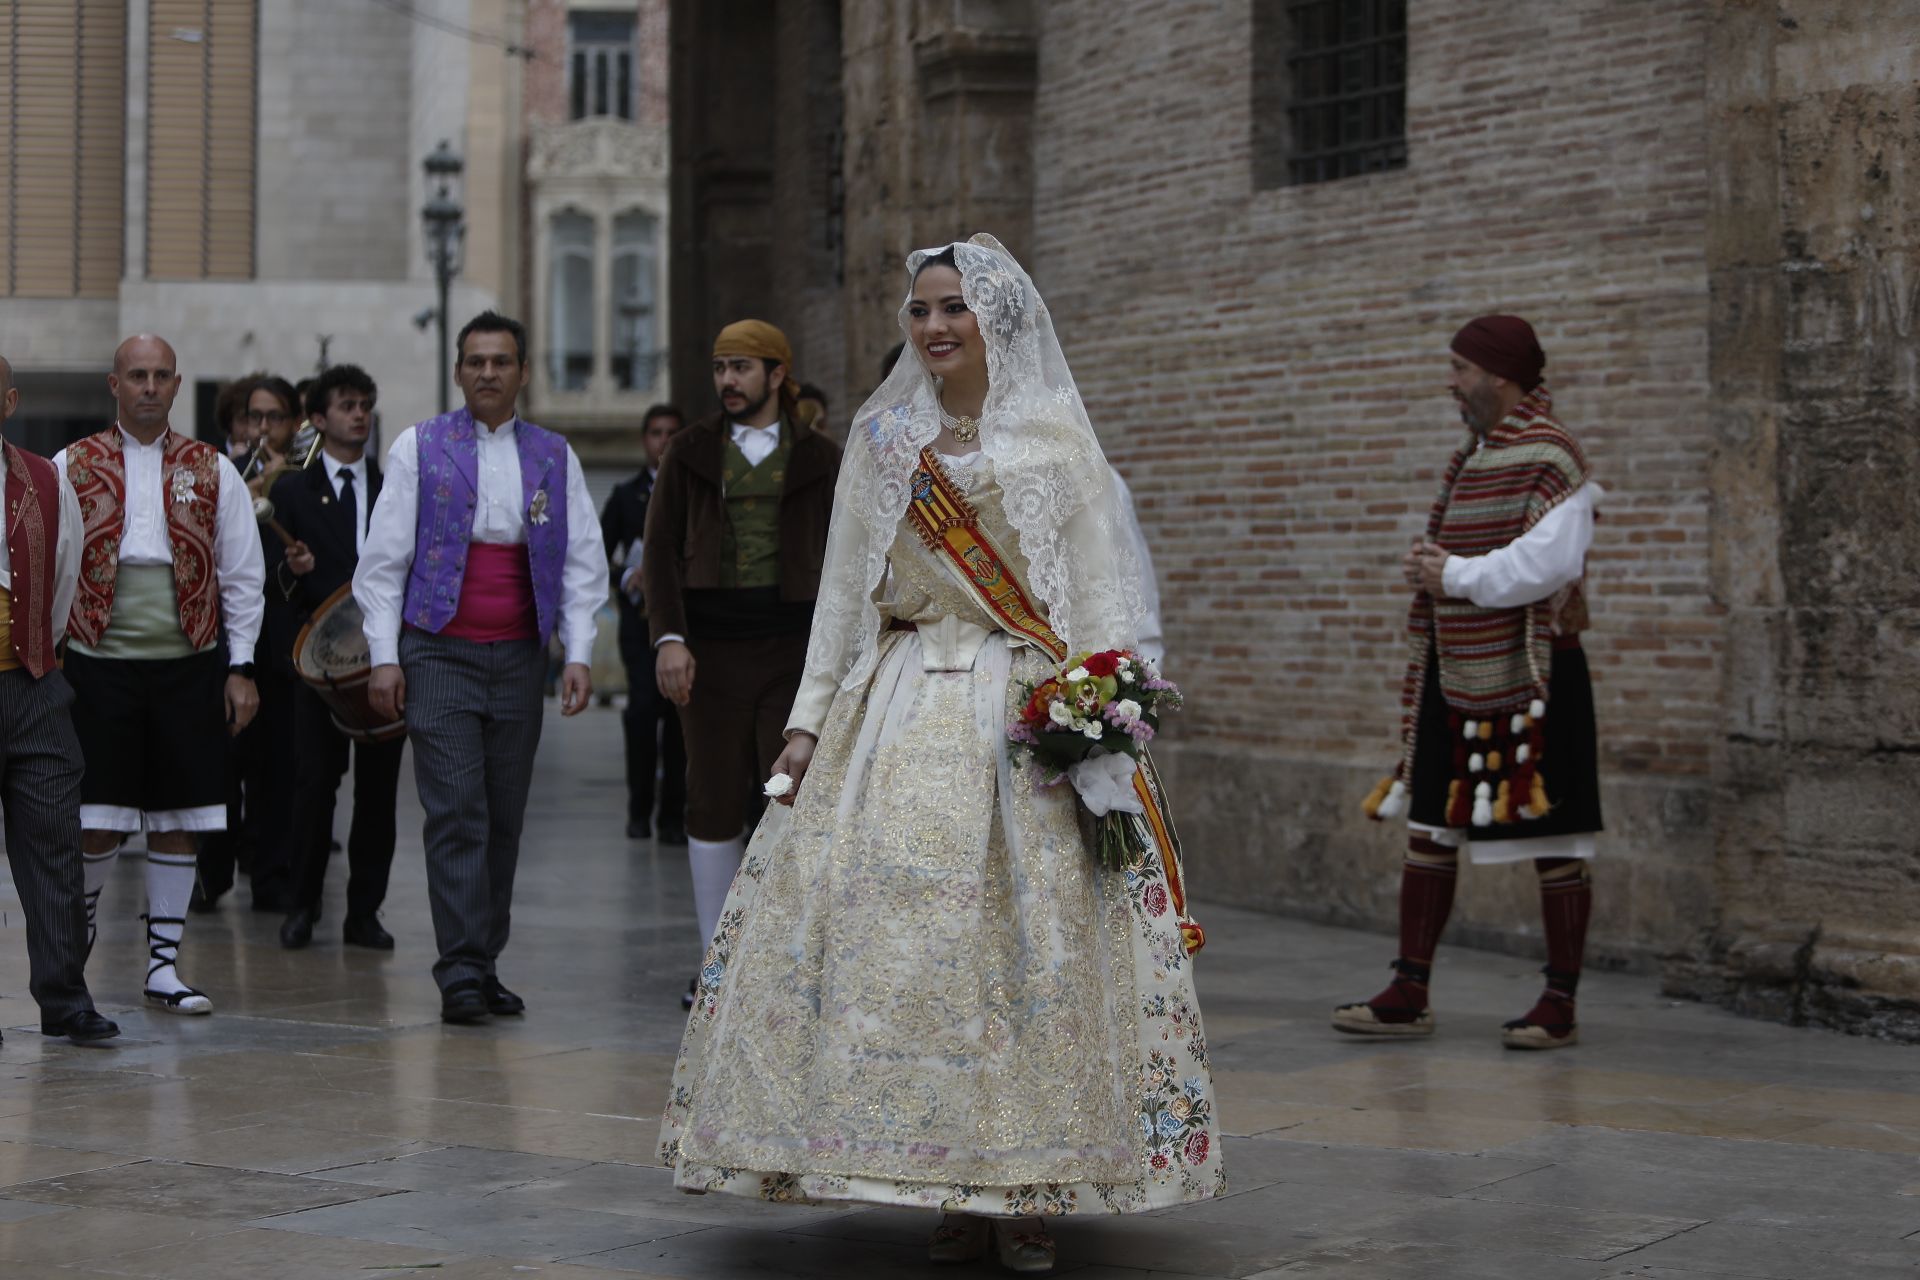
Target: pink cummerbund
column 496, row 596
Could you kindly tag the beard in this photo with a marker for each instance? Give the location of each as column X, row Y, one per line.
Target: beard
column 752, row 406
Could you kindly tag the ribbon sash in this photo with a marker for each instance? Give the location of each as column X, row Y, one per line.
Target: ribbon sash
column 950, row 527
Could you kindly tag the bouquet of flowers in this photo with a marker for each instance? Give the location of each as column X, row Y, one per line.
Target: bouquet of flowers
column 1087, row 725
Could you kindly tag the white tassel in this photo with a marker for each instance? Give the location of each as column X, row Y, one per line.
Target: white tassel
column 1472, row 730
column 1476, row 762
column 1396, row 800
column 1527, row 813
column 1483, row 805
column 1537, row 709
column 1522, row 755
column 1519, row 724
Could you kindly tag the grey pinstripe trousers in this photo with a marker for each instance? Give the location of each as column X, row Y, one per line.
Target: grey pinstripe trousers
column 473, row 714
column 40, row 769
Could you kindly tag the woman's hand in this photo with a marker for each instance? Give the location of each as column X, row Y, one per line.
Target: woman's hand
column 794, row 761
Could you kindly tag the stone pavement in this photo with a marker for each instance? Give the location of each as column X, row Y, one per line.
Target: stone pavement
column 324, row 1124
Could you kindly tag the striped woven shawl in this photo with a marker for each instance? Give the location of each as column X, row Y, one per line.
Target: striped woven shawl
column 1496, row 660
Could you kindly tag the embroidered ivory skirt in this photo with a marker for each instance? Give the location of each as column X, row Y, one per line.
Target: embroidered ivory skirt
column 924, row 991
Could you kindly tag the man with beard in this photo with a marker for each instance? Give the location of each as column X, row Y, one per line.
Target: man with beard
column 736, row 532
column 326, row 508
column 1497, row 723
column 651, row 725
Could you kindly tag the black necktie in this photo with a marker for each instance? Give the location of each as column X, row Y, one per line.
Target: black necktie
column 348, row 506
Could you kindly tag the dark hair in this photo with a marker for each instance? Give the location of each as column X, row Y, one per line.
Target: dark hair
column 351, row 376
column 661, row 411
column 280, row 387
column 891, row 359
column 944, row 258
column 810, row 392
column 232, row 399
column 492, row 322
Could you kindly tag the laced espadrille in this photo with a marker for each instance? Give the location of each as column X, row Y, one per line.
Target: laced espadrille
column 1400, row 1010
column 1550, row 1023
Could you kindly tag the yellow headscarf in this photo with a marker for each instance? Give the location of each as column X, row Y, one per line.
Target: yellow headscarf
column 759, row 340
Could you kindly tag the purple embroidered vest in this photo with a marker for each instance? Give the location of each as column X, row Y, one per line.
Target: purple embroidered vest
column 449, row 496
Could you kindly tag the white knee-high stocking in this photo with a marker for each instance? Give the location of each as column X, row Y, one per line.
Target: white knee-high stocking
column 714, row 864
column 169, row 886
column 94, row 869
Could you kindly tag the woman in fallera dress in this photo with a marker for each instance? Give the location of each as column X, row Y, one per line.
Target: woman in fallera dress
column 924, row 989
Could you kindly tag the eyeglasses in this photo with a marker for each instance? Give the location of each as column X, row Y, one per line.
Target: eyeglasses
column 265, row 415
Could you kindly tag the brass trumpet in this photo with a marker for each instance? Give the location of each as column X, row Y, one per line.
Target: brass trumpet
column 305, row 444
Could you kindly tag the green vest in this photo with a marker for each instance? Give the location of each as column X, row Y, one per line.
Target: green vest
column 750, row 551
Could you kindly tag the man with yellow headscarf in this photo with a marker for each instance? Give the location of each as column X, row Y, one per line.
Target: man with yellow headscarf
column 736, row 532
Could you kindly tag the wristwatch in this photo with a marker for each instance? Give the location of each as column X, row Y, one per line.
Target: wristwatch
column 243, row 669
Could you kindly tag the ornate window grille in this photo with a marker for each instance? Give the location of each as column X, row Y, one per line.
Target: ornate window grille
column 1338, row 68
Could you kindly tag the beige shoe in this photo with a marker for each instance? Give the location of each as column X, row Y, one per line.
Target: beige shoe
column 1023, row 1245
column 1363, row 1020
column 1528, row 1035
column 960, row 1237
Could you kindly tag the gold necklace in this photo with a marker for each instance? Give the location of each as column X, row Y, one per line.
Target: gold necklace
column 966, row 430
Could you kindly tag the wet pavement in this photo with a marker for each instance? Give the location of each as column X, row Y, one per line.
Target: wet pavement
column 323, row 1123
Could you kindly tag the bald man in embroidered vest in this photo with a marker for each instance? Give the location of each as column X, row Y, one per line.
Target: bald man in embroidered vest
column 483, row 544
column 736, row 532
column 40, row 761
column 1497, row 724
column 172, row 553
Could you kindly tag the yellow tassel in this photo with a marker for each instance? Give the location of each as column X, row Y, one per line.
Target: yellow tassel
column 1502, row 808
column 1371, row 805
column 1493, row 764
column 1486, row 729
column 1538, row 800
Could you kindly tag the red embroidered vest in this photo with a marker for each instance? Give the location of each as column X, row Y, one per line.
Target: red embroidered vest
column 32, row 513
column 190, row 484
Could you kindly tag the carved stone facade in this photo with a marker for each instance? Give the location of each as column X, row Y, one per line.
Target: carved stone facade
column 597, row 218
column 1705, row 206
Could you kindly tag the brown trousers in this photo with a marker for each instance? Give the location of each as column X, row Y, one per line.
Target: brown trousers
column 735, row 727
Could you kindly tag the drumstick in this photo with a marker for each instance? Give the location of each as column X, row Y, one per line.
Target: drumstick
column 263, row 512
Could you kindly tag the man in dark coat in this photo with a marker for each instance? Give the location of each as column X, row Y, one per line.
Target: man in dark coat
column 326, row 508
column 736, row 534
column 651, row 725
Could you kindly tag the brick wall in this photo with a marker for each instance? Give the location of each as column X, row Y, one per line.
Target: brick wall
column 1267, row 367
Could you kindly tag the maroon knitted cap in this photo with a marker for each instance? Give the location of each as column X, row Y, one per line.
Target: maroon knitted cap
column 1504, row 346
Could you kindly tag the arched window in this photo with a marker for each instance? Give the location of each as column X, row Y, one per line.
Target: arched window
column 635, row 300
column 570, row 322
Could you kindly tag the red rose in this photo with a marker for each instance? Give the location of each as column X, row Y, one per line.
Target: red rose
column 1197, row 1147
column 1156, row 900
column 1102, row 664
column 1158, row 1161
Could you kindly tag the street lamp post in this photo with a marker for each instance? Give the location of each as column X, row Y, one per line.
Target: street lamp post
column 446, row 235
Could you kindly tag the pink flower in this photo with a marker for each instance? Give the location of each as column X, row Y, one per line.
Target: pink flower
column 1198, row 1146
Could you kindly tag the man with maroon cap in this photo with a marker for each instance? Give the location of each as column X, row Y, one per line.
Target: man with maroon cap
column 1497, row 719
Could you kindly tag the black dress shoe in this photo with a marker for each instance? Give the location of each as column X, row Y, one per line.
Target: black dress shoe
column 296, row 931
column 463, row 1002
column 82, row 1027
column 500, row 1000
column 365, row 931
column 639, row 830
column 201, row 902
column 671, row 833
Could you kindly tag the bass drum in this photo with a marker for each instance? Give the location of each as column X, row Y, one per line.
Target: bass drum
column 331, row 656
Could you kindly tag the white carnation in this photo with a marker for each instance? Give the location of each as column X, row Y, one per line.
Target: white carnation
column 1127, row 709
column 1076, row 675
column 1093, row 730
column 778, row 785
column 1060, row 713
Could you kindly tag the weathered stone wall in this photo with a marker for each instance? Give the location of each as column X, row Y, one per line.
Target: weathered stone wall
column 1268, row 369
column 1815, row 262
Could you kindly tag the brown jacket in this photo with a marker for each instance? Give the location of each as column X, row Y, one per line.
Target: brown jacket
column 686, row 521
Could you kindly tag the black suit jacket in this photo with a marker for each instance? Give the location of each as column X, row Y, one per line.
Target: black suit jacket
column 306, row 507
column 623, row 522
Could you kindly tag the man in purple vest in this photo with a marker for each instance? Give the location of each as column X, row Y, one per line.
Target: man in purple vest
column 482, row 544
